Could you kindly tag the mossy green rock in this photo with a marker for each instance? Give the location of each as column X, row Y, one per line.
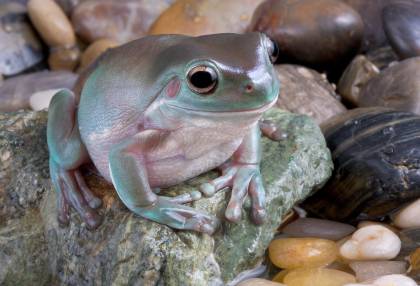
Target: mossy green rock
column 129, row 250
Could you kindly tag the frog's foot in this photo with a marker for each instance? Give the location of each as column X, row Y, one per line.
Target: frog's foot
column 244, row 179
column 184, row 198
column 271, row 131
column 72, row 191
column 177, row 216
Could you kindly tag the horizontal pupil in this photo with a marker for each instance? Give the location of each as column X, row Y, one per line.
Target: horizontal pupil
column 202, row 79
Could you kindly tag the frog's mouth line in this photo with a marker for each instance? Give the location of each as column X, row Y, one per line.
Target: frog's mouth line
column 260, row 109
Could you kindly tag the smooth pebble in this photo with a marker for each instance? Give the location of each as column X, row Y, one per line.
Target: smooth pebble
column 259, row 282
column 374, row 242
column 409, row 216
column 41, row 99
column 366, row 270
column 320, row 228
column 318, row 277
column 95, row 50
column 388, row 280
column 290, row 253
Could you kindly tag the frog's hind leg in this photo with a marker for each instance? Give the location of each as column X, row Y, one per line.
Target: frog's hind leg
column 67, row 154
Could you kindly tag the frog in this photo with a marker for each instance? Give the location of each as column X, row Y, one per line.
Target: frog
column 158, row 111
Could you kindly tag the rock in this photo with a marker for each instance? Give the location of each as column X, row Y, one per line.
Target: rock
column 51, row 22
column 121, row 21
column 15, row 92
column 402, row 27
column 305, row 91
column 410, row 241
column 127, row 249
column 68, row 5
column 396, row 87
column 408, row 217
column 259, row 282
column 318, row 277
column 64, row 58
column 376, row 165
column 20, row 48
column 388, row 280
column 191, row 17
column 382, row 57
column 320, row 228
column 371, row 13
column 373, row 242
column 415, row 265
column 355, row 77
column 95, row 50
column 291, row 253
column 368, row 270
column 297, row 25
column 41, row 99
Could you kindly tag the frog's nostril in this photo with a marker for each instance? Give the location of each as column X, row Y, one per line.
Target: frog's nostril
column 249, row 88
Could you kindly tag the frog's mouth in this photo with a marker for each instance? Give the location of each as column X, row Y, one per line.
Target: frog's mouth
column 253, row 111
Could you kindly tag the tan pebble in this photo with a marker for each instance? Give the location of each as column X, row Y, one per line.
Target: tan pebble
column 51, row 22
column 409, row 216
column 290, row 253
column 64, row 58
column 367, row 270
column 388, row 280
column 279, row 277
column 373, row 242
column 415, row 260
column 95, row 50
column 259, row 282
column 318, row 277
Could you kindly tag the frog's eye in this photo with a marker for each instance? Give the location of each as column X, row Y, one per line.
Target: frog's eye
column 202, row 79
column 273, row 50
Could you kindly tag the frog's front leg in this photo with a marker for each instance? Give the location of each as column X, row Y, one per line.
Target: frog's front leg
column 242, row 174
column 128, row 169
column 67, row 154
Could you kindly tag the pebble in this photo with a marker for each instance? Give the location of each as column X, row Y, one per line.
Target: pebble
column 368, row 270
column 410, row 242
column 95, row 50
column 388, row 280
column 373, row 242
column 20, row 47
column 259, row 282
column 414, row 270
column 409, row 216
column 356, row 75
column 191, row 17
column 402, row 27
column 15, row 92
column 51, row 22
column 395, row 87
column 121, row 21
column 64, row 58
column 41, row 99
column 320, row 228
column 306, row 91
column 318, row 277
column 291, row 253
column 371, row 13
column 332, row 30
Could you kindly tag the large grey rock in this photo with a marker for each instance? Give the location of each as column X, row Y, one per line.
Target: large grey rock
column 129, row 250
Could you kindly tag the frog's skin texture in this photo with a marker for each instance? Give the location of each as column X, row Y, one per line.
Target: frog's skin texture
column 145, row 122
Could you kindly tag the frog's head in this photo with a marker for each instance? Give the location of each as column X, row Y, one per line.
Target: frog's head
column 221, row 75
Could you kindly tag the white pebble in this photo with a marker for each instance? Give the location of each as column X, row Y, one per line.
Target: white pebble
column 409, row 216
column 388, row 280
column 373, row 242
column 41, row 99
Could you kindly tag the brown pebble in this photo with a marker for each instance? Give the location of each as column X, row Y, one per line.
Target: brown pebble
column 95, row 50
column 320, row 228
column 51, row 22
column 64, row 58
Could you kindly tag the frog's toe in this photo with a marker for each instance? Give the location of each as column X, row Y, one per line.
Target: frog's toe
column 210, row 188
column 257, row 194
column 185, row 198
column 202, row 223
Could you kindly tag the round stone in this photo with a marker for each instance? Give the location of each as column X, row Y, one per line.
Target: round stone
column 332, row 29
column 402, row 27
column 95, row 50
column 318, row 277
column 51, row 22
column 291, row 253
column 64, row 58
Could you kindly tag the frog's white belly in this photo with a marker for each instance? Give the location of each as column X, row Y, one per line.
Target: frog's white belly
column 179, row 157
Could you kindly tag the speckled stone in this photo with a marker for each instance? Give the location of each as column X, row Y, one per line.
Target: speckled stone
column 129, row 250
